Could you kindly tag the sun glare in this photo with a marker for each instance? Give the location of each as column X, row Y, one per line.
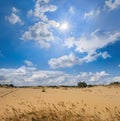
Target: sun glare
column 64, row 26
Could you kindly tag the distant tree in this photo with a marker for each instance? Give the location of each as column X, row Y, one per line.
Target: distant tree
column 114, row 83
column 11, row 85
column 90, row 85
column 82, row 84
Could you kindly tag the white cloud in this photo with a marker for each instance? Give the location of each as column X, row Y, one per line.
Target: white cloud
column 40, row 33
column 14, row 18
column 92, row 13
column 25, row 75
column 94, row 77
column 86, row 44
column 71, row 60
column 91, row 57
column 16, row 76
column 94, row 56
column 41, row 7
column 116, row 79
column 28, row 63
column 90, row 43
column 15, row 10
column 109, row 4
column 105, row 55
column 119, row 65
column 98, row 75
column 64, row 61
column 112, row 4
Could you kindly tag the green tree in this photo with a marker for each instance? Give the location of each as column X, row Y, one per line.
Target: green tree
column 82, row 84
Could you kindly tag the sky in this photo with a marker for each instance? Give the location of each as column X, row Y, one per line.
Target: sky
column 59, row 42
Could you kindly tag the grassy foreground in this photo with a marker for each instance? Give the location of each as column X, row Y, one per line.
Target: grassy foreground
column 60, row 112
column 60, row 104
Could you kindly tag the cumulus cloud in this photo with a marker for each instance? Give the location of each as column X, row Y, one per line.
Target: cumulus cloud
column 41, row 31
column 64, row 61
column 94, row 56
column 16, row 76
column 25, row 75
column 93, row 77
column 71, row 60
column 41, row 7
column 86, row 44
column 112, row 4
column 95, row 41
column 13, row 18
column 116, row 79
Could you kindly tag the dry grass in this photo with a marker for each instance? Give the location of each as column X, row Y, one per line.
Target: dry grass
column 39, row 106
column 61, row 112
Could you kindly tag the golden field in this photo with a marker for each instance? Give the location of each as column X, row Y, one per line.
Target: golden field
column 100, row 103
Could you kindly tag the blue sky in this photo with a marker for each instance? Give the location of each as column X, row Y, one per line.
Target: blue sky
column 59, row 42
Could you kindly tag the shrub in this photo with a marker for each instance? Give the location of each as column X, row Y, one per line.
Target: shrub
column 43, row 90
column 82, row 84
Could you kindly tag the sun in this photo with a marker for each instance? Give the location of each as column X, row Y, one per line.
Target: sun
column 64, row 26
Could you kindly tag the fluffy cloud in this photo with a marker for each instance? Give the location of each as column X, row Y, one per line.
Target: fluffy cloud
column 25, row 75
column 71, row 60
column 41, row 7
column 14, row 18
column 112, row 4
column 93, row 77
column 41, row 31
column 94, row 56
column 116, row 79
column 64, row 61
column 96, row 40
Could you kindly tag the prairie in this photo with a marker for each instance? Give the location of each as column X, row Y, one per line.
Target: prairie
column 100, row 103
